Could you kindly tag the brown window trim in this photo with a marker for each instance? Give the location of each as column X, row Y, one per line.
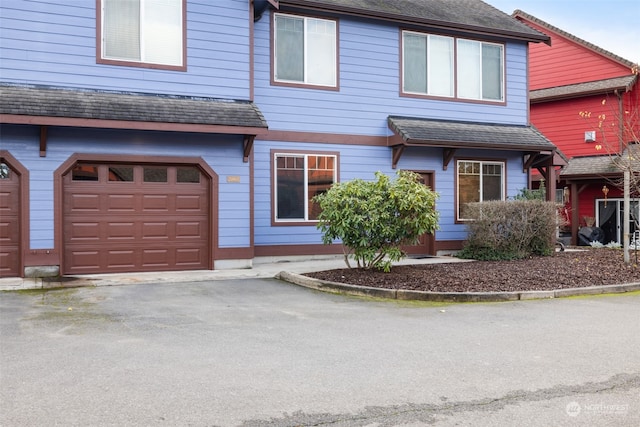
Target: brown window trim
column 101, row 60
column 454, row 98
column 456, row 206
column 301, row 85
column 272, row 153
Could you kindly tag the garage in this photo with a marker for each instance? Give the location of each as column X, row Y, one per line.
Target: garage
column 120, row 217
column 9, row 221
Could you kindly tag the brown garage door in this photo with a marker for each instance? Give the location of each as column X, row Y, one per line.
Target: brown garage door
column 128, row 218
column 9, row 221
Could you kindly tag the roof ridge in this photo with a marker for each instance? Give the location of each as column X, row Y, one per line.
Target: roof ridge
column 520, row 13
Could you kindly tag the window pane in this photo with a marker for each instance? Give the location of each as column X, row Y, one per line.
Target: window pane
column 440, row 66
column 290, row 188
column 121, row 29
column 188, row 175
column 162, row 32
column 289, row 49
column 491, row 72
column 5, row 172
column 320, row 179
column 321, row 52
column 468, row 69
column 155, row 175
column 121, row 173
column 414, row 63
column 491, row 182
column 82, row 172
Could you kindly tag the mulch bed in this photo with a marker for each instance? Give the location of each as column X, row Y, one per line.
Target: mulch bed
column 569, row 269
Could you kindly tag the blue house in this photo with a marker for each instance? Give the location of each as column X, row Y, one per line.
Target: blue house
column 147, row 135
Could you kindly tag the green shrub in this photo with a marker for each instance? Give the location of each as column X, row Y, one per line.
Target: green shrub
column 513, row 229
column 374, row 218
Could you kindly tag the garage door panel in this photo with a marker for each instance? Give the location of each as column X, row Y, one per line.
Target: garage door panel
column 84, row 203
column 140, row 226
column 189, row 203
column 121, row 259
column 188, row 257
column 155, row 258
column 156, row 230
column 155, row 203
column 121, row 202
column 83, row 231
column 121, row 231
column 187, row 230
column 84, row 261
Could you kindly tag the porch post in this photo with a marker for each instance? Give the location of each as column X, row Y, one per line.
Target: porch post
column 575, row 218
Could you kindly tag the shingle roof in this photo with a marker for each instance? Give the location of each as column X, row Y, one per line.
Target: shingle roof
column 443, row 133
column 602, row 165
column 613, row 56
column 624, row 83
column 470, row 15
column 57, row 102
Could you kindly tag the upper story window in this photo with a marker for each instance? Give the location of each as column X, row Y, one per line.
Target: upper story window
column 147, row 33
column 305, row 50
column 478, row 181
column 428, row 67
column 298, row 179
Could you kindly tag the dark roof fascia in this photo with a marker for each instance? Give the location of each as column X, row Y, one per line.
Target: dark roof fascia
column 581, row 90
column 408, row 20
column 406, row 140
column 612, row 56
column 45, row 106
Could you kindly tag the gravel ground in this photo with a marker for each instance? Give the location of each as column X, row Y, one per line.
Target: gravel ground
column 569, row 269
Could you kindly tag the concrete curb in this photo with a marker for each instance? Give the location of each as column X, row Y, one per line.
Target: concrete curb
column 407, row 295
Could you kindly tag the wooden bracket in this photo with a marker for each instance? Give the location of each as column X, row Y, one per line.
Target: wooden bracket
column 248, row 146
column 43, row 141
column 396, row 154
column 447, row 155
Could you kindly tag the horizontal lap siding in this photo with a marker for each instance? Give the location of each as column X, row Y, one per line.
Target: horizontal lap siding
column 362, row 162
column 369, row 88
column 222, row 153
column 54, row 43
column 567, row 62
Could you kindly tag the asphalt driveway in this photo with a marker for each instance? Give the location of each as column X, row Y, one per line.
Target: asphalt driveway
column 261, row 352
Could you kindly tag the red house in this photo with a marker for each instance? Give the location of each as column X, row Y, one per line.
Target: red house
column 586, row 100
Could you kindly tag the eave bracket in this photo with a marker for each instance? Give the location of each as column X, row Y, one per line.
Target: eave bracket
column 248, row 146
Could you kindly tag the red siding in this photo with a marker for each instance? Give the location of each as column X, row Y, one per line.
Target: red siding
column 567, row 62
column 561, row 122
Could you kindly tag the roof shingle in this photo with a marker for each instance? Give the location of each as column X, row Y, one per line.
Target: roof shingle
column 31, row 100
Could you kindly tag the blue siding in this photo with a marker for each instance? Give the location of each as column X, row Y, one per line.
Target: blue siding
column 363, row 162
column 54, row 43
column 370, row 85
column 222, row 153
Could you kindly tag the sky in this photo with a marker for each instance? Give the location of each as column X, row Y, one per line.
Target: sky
column 613, row 25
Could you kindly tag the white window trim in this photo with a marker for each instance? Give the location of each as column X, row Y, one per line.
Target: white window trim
column 305, row 156
column 455, row 69
column 305, row 53
column 142, row 59
column 503, row 181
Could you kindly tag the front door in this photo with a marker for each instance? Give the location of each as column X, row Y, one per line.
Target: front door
column 426, row 243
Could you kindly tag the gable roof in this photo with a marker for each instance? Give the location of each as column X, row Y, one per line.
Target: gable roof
column 457, row 134
column 94, row 108
column 624, row 84
column 521, row 14
column 471, row 16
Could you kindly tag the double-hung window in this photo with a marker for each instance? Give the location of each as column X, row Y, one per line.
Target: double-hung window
column 428, row 67
column 142, row 32
column 305, row 50
column 478, row 181
column 298, row 179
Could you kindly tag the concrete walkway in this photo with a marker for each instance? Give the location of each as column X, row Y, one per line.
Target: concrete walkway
column 267, row 267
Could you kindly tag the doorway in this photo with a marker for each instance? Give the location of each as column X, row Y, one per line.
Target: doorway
column 427, row 242
column 610, row 218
